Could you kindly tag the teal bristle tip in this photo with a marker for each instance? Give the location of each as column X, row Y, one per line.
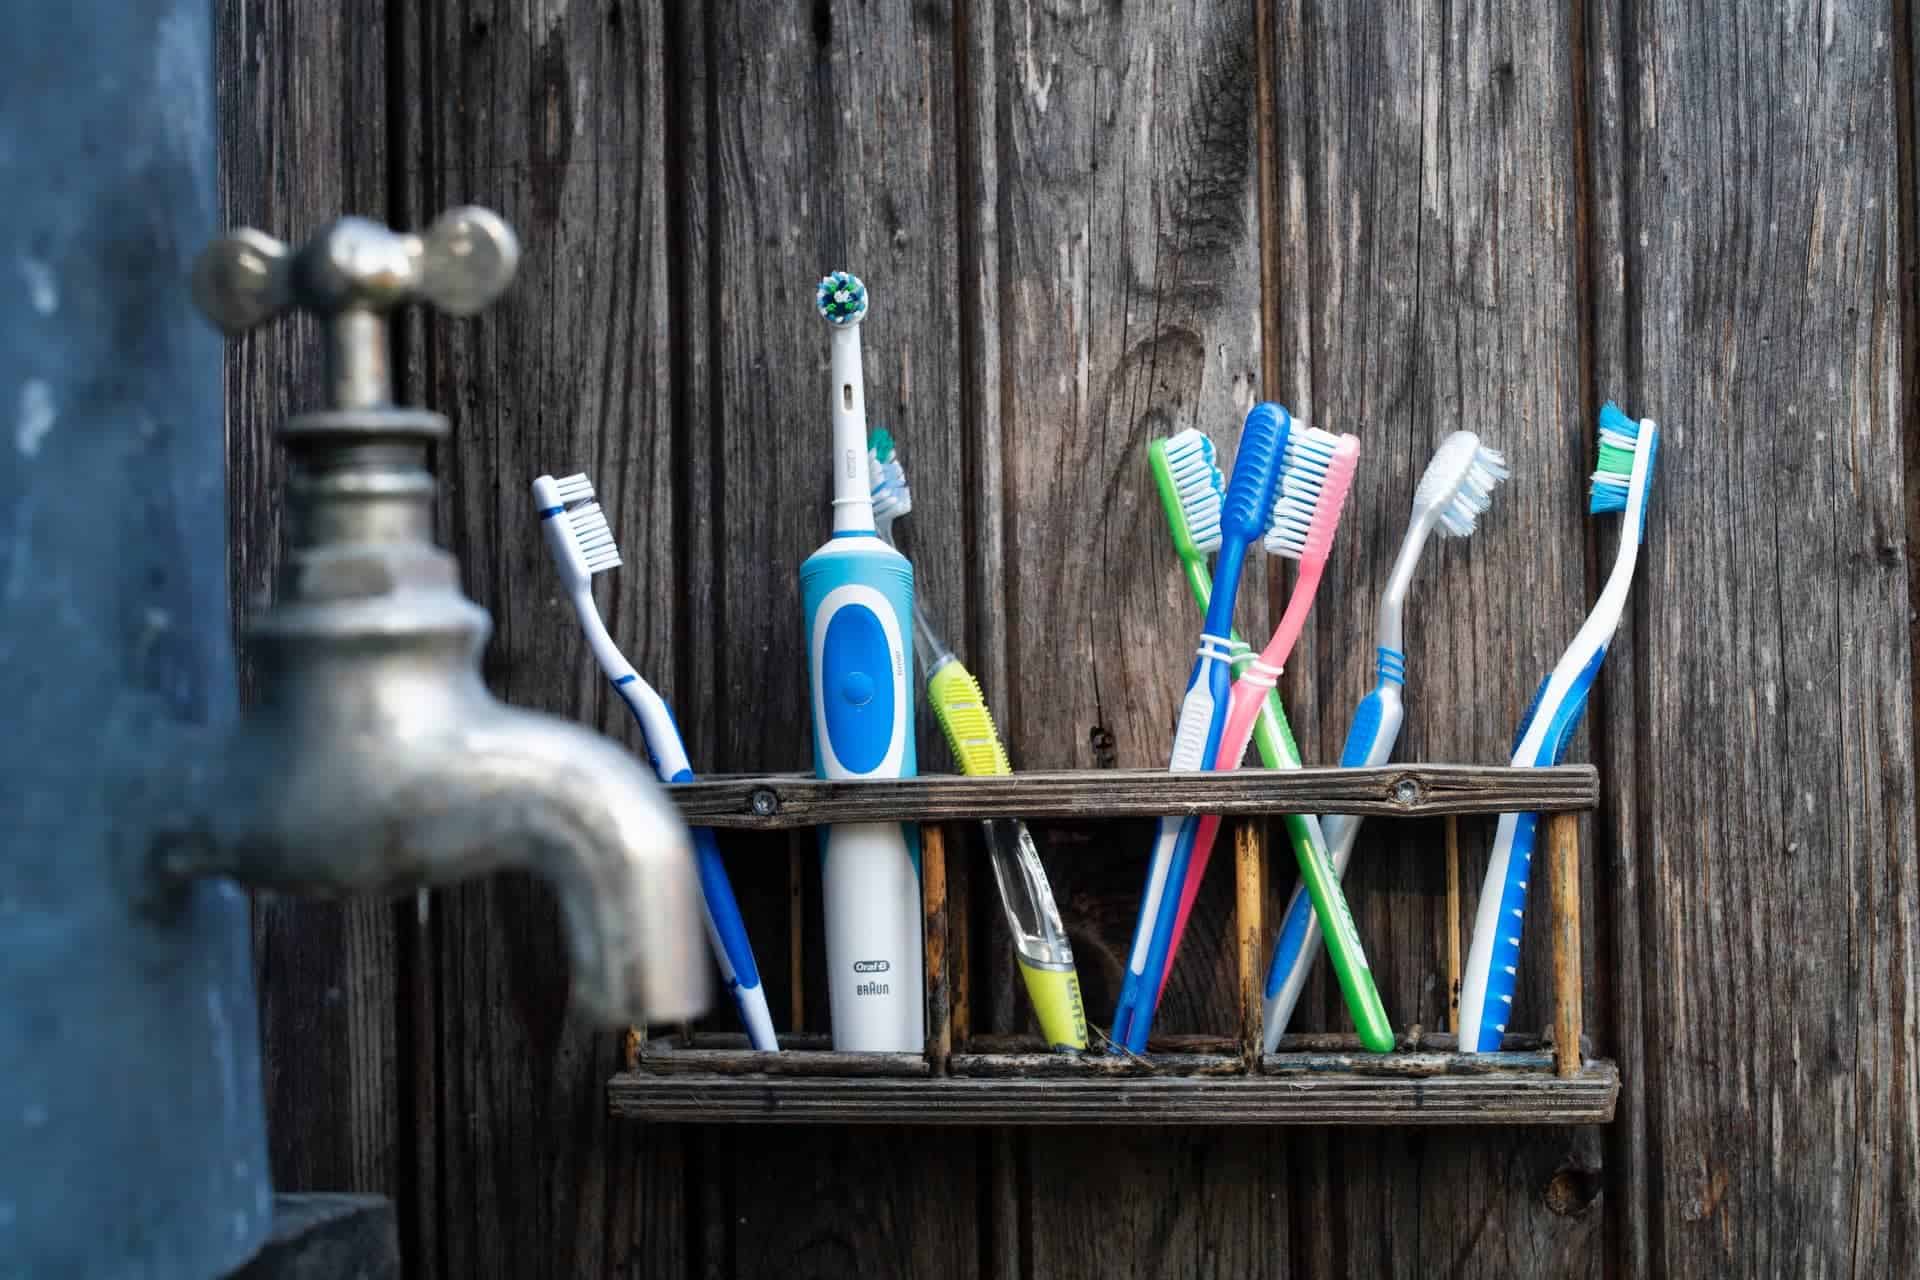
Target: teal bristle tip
column 880, row 440
column 841, row 299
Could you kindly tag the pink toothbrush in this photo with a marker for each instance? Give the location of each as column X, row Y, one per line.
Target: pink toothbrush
column 1314, row 480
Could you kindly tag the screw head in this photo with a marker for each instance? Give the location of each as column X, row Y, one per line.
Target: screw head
column 1406, row 791
column 764, row 803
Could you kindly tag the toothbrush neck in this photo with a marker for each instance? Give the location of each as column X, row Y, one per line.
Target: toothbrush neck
column 1226, row 585
column 852, row 490
column 1394, row 599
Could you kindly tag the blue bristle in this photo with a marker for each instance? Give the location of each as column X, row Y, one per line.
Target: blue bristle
column 1613, row 477
column 1614, row 418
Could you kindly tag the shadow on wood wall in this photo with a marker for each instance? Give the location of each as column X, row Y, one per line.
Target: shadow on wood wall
column 1086, row 226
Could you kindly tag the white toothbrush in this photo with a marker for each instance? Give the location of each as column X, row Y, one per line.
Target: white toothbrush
column 581, row 545
column 1453, row 491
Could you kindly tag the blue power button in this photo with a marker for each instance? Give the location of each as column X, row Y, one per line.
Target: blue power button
column 860, row 712
column 857, row 688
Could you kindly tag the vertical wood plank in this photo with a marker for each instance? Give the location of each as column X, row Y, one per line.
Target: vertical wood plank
column 300, row 94
column 1113, row 297
column 1426, row 191
column 1759, row 286
column 554, row 115
column 1563, row 858
column 1125, row 302
column 825, row 139
column 1621, row 836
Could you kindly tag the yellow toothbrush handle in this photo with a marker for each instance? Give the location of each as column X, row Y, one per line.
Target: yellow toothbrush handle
column 962, row 711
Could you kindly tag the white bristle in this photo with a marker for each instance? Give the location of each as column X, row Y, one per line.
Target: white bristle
column 1459, row 482
column 575, row 488
column 887, row 482
column 1199, row 484
column 594, row 537
column 1303, row 472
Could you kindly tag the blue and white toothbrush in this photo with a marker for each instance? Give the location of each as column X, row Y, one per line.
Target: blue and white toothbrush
column 1622, row 482
column 1243, row 521
column 581, row 544
column 1455, row 489
column 858, row 595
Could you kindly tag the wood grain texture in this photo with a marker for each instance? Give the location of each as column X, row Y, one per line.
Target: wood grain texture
column 1563, row 870
column 290, row 158
column 1213, row 1171
column 1427, row 193
column 773, row 802
column 1250, row 930
column 939, row 982
column 554, row 116
column 1113, row 297
column 821, row 137
column 1758, row 311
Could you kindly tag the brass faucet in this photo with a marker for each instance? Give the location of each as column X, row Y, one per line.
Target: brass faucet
column 374, row 760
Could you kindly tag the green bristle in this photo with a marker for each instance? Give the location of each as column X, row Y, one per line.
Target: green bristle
column 1615, row 460
column 881, row 442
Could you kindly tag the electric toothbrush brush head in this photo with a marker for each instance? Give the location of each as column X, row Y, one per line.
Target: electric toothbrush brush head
column 841, row 299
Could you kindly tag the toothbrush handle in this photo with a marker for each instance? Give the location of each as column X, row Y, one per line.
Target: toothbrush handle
column 1151, row 978
column 1343, row 940
column 728, row 934
column 1053, row 987
column 726, row 930
column 1135, row 989
column 1273, row 738
column 1195, row 739
column 1493, row 959
column 1370, row 739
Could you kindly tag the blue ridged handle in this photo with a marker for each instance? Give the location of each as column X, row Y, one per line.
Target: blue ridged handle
column 1148, row 986
column 1517, row 831
column 725, row 910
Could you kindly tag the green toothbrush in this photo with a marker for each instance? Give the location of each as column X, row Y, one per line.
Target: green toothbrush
column 1190, row 488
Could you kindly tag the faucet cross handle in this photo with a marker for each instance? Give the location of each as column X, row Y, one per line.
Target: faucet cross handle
column 350, row 274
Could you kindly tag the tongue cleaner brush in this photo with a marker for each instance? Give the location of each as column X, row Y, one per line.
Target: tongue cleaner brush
column 858, row 595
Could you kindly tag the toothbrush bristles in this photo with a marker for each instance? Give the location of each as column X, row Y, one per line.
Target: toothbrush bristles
column 1613, row 474
column 1303, row 475
column 594, row 537
column 840, row 299
column 575, row 488
column 1474, row 493
column 1199, row 485
column 887, row 482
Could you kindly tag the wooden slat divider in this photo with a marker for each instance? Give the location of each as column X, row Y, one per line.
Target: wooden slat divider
column 933, row 880
column 1249, row 865
column 1453, row 923
column 1563, row 853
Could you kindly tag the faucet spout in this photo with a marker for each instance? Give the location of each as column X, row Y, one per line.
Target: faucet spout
column 375, row 782
column 373, row 760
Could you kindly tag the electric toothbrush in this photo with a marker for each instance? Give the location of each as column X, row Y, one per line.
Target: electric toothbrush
column 858, row 595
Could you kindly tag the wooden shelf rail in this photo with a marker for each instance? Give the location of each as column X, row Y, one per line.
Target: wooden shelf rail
column 1314, row 1079
column 776, row 802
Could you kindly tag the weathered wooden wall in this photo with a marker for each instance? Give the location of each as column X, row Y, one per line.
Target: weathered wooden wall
column 1087, row 225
